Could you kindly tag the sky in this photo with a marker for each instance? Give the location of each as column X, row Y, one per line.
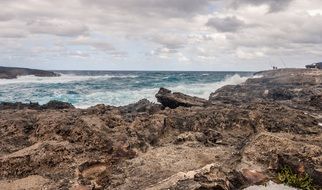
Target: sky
column 208, row 35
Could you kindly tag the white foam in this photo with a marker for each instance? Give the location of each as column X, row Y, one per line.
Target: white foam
column 257, row 76
column 118, row 97
column 64, row 78
column 125, row 97
column 204, row 90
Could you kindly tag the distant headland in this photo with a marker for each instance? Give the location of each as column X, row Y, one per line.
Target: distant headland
column 14, row 72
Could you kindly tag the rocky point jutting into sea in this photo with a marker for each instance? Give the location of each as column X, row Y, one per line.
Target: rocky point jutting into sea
column 14, row 72
column 241, row 136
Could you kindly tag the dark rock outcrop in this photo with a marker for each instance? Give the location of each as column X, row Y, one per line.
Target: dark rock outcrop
column 176, row 99
column 14, row 72
column 18, row 105
column 54, row 104
column 287, row 86
column 142, row 106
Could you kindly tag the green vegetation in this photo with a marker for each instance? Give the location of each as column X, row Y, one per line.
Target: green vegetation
column 301, row 181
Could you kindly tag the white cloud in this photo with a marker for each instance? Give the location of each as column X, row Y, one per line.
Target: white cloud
column 242, row 54
column 315, row 12
column 182, row 58
column 200, row 32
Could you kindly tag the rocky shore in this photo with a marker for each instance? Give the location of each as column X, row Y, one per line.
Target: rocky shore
column 14, row 72
column 242, row 135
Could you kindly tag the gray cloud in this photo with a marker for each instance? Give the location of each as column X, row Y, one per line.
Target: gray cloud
column 101, row 46
column 226, row 24
column 12, row 33
column 5, row 16
column 13, row 29
column 57, row 27
column 275, row 5
column 170, row 41
column 163, row 8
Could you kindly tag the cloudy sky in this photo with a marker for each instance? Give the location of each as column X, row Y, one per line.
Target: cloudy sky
column 160, row 34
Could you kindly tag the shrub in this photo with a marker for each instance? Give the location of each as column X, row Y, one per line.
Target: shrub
column 301, row 181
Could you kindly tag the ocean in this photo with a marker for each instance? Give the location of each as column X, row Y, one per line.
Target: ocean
column 87, row 88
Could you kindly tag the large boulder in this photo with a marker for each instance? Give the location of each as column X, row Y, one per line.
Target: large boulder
column 176, row 99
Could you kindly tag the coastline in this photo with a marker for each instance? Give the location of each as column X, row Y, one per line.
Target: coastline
column 242, row 135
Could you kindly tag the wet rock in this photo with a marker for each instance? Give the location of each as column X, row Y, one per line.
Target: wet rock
column 54, row 104
column 176, row 99
column 18, row 105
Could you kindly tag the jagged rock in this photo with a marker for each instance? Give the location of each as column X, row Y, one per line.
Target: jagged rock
column 143, row 105
column 292, row 87
column 285, row 152
column 18, row 105
column 245, row 136
column 54, row 104
column 280, row 94
column 176, row 99
column 316, row 101
column 254, row 177
column 302, row 165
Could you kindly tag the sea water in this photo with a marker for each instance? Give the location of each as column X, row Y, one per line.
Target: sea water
column 88, row 88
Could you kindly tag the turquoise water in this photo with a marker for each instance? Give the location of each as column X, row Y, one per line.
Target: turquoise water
column 87, row 88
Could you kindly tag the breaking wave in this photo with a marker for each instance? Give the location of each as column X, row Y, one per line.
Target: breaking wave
column 64, row 78
column 114, row 89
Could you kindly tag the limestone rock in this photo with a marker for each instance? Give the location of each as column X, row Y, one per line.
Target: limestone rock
column 242, row 136
column 176, row 99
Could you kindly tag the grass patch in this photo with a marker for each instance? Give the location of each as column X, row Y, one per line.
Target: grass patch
column 290, row 178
